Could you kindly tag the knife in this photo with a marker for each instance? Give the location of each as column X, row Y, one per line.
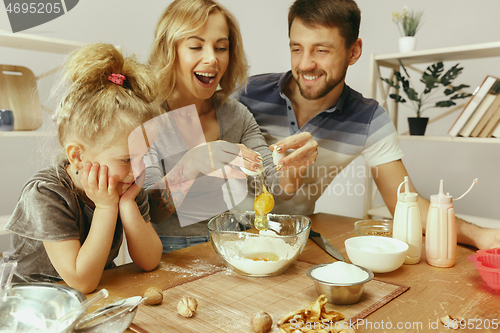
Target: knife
column 325, row 245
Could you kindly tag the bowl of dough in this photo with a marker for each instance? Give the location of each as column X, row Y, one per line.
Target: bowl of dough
column 250, row 252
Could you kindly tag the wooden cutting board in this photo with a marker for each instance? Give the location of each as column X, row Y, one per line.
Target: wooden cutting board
column 226, row 302
column 19, row 93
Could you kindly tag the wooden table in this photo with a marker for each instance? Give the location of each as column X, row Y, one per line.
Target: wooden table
column 435, row 292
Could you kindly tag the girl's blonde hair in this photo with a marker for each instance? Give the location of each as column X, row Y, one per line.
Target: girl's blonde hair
column 94, row 109
column 182, row 18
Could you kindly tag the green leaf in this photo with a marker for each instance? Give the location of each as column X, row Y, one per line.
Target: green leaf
column 397, row 98
column 445, row 104
column 391, row 83
column 462, row 95
column 448, row 91
column 403, row 80
column 430, row 80
column 435, row 70
column 412, row 94
column 450, row 75
column 404, row 68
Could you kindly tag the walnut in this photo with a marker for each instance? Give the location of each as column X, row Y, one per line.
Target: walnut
column 261, row 322
column 153, row 295
column 187, row 306
column 314, row 313
column 451, row 322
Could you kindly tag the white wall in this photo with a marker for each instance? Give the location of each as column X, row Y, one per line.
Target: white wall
column 130, row 24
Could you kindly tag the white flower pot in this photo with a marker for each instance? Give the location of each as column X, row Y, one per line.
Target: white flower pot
column 407, row 44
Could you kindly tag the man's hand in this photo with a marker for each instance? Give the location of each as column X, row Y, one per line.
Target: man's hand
column 305, row 154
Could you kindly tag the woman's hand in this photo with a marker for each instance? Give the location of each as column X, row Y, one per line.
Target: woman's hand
column 305, row 154
column 217, row 159
column 251, row 159
column 98, row 187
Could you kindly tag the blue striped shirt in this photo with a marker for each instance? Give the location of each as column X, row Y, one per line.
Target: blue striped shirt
column 354, row 126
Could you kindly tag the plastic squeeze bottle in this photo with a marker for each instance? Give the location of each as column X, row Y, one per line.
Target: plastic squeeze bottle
column 408, row 223
column 441, row 230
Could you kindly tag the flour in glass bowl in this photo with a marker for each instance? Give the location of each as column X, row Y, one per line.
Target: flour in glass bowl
column 259, row 255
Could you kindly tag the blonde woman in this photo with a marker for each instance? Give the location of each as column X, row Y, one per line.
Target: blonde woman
column 199, row 60
column 69, row 222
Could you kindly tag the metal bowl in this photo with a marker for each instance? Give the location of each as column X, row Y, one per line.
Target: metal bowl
column 113, row 318
column 37, row 307
column 248, row 252
column 339, row 293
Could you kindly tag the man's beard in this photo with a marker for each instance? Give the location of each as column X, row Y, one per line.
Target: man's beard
column 323, row 91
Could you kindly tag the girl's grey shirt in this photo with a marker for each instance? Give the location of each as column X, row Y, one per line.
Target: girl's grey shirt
column 51, row 210
column 206, row 197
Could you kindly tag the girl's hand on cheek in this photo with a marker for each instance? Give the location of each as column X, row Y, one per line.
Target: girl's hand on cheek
column 133, row 190
column 98, row 187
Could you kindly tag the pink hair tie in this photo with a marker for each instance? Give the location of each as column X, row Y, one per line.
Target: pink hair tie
column 117, row 78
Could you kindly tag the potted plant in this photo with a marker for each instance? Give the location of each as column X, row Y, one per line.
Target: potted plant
column 435, row 79
column 408, row 23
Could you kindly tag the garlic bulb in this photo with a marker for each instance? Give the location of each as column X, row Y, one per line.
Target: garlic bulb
column 261, row 322
column 187, row 306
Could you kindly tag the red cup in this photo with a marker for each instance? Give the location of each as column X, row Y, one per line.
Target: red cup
column 488, row 266
column 489, row 251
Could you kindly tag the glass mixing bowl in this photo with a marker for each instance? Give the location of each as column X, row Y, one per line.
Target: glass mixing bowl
column 250, row 252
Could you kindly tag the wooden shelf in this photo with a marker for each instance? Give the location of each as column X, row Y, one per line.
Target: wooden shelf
column 447, row 139
column 23, row 134
column 474, row 51
column 37, row 43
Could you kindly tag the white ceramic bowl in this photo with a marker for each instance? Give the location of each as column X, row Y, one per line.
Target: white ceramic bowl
column 378, row 254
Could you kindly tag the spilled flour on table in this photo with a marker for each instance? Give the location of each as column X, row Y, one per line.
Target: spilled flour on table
column 194, row 268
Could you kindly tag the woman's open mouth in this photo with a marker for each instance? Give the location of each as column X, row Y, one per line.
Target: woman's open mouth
column 205, row 78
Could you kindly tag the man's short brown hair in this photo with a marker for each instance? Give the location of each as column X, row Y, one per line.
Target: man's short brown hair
column 343, row 14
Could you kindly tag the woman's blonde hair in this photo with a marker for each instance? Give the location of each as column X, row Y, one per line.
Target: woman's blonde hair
column 182, row 18
column 94, row 108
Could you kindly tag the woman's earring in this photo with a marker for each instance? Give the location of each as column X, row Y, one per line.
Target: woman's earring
column 77, row 171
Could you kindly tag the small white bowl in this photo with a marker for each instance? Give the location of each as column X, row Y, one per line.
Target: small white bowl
column 377, row 253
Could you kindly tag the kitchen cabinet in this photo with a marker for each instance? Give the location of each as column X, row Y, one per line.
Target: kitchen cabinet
column 379, row 90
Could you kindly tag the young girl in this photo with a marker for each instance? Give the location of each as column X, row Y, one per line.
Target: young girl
column 70, row 219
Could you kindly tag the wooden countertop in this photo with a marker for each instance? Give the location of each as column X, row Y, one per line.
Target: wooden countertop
column 435, row 292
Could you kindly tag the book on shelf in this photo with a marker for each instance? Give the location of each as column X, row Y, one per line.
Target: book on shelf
column 476, row 116
column 491, row 125
column 472, row 104
column 496, row 132
column 486, row 117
